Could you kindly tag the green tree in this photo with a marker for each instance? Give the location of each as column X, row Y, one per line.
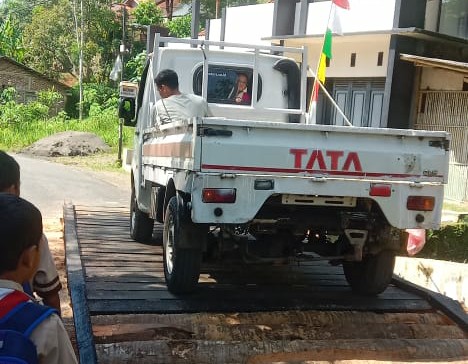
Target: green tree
column 50, row 40
column 102, row 34
column 21, row 10
column 148, row 13
column 11, row 43
column 52, row 43
column 181, row 26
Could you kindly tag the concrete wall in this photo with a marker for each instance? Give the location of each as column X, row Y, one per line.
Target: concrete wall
column 245, row 24
column 364, row 16
column 366, row 48
column 441, row 80
column 432, row 15
column 447, row 278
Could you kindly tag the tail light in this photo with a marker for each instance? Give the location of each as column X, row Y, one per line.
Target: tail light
column 380, row 189
column 219, row 195
column 420, row 203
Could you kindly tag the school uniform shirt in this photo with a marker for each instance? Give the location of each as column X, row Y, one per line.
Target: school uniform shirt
column 46, row 280
column 181, row 108
column 50, row 337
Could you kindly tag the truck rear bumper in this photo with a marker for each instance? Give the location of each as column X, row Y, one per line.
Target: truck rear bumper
column 253, row 190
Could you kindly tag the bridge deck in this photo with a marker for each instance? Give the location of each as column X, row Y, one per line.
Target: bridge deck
column 123, row 276
column 240, row 314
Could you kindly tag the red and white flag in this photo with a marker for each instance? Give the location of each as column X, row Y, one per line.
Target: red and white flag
column 333, row 27
column 341, row 3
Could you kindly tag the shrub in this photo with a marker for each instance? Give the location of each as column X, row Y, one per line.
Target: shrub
column 181, row 26
column 96, row 96
column 448, row 243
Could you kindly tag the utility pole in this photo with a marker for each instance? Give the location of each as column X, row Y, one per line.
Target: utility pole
column 218, row 5
column 122, row 50
column 195, row 25
column 80, row 107
column 122, row 42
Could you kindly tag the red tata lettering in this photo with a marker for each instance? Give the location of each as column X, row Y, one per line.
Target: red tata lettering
column 333, row 160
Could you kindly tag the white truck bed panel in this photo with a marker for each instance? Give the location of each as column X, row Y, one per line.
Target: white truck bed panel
column 332, row 151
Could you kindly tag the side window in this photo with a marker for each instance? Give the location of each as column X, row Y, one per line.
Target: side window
column 227, row 85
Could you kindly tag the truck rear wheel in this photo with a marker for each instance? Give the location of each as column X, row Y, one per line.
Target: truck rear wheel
column 181, row 265
column 141, row 226
column 372, row 275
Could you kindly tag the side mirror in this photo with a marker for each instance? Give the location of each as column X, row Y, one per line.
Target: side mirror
column 127, row 111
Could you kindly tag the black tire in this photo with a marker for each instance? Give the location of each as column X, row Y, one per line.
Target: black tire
column 181, row 265
column 141, row 226
column 371, row 276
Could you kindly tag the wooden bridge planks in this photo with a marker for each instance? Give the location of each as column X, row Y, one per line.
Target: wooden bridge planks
column 238, row 314
column 123, row 276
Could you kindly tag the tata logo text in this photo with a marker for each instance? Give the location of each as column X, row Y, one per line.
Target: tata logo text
column 334, row 160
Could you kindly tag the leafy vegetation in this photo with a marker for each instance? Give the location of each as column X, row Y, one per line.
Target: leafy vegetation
column 134, row 67
column 180, row 27
column 148, row 13
column 448, row 243
column 11, row 43
column 23, row 124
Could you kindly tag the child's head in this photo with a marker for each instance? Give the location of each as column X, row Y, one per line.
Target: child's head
column 9, row 174
column 20, row 233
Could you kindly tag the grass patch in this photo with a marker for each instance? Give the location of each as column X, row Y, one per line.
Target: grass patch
column 455, row 206
column 99, row 162
column 16, row 136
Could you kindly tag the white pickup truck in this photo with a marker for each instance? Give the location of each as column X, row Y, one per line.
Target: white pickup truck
column 256, row 178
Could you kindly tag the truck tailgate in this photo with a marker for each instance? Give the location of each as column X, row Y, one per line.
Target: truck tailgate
column 323, row 150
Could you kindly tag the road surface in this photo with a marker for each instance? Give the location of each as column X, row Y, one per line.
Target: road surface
column 48, row 185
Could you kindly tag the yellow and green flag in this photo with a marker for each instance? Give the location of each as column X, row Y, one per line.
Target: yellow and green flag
column 333, row 26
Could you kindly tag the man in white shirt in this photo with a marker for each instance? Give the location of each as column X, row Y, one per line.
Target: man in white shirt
column 174, row 105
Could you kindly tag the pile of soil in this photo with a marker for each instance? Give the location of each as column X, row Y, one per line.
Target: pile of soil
column 68, row 143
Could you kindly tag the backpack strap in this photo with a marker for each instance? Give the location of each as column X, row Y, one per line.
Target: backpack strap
column 11, row 301
column 24, row 316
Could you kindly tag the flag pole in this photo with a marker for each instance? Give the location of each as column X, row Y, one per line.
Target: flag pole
column 320, row 56
column 331, row 99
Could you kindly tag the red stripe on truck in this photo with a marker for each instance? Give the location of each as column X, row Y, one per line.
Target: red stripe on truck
column 302, row 170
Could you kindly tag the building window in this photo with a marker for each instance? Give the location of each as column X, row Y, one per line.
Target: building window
column 454, row 18
column 380, row 59
column 353, row 60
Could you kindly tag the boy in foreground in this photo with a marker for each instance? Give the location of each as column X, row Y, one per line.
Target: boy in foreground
column 20, row 234
column 45, row 282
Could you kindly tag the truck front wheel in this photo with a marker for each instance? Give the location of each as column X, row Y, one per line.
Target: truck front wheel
column 372, row 275
column 181, row 264
column 141, row 226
